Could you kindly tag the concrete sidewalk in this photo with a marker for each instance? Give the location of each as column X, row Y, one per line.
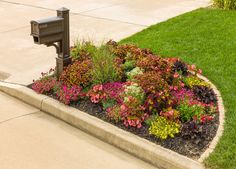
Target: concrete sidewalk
column 31, row 139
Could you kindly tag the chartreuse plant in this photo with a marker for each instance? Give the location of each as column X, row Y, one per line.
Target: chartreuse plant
column 205, row 37
column 163, row 128
column 194, row 81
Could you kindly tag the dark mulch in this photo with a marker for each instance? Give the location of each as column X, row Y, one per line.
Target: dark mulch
column 192, row 148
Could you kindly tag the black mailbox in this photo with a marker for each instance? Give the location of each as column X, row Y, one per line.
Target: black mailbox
column 47, row 30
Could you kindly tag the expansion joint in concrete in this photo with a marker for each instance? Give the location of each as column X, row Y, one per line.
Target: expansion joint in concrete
column 17, row 117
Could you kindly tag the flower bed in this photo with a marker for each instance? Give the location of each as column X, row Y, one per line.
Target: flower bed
column 160, row 99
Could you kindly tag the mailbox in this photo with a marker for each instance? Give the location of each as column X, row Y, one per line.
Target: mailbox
column 54, row 31
column 48, row 30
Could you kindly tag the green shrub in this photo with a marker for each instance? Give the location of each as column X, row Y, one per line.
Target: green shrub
column 128, row 65
column 161, row 127
column 225, row 4
column 104, row 68
column 188, row 112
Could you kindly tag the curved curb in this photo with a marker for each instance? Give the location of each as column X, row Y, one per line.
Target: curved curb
column 220, row 129
column 139, row 147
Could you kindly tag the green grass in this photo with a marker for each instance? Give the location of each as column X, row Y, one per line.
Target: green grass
column 207, row 38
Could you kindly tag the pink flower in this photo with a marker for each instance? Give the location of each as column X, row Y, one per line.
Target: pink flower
column 200, row 71
column 176, row 75
column 100, row 87
column 171, row 113
column 139, row 125
column 95, row 98
column 122, row 107
column 108, row 109
column 168, row 69
column 193, row 67
column 64, row 88
column 97, row 88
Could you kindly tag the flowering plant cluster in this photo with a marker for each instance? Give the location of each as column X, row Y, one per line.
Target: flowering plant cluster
column 103, row 92
column 131, row 113
column 68, row 94
column 46, row 84
column 136, row 88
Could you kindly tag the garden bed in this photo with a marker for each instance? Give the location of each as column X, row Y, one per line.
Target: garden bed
column 159, row 99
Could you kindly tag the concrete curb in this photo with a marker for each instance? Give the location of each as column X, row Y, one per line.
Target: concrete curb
column 139, row 147
column 220, row 129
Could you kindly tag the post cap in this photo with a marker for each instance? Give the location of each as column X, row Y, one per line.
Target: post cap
column 63, row 9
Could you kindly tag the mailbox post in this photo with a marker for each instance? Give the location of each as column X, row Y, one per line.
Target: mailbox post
column 55, row 32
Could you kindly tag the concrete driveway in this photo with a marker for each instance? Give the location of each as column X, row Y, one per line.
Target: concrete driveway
column 29, row 138
column 97, row 20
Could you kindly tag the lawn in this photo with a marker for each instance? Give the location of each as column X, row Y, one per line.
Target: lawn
column 207, row 38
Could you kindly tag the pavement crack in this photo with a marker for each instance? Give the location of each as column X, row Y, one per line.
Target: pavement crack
column 17, row 117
